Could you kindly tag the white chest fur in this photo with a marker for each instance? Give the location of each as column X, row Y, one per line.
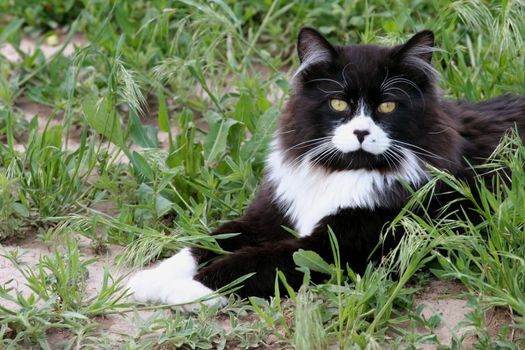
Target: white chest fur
column 308, row 194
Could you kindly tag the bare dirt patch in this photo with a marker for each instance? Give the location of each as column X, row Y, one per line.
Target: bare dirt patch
column 29, row 45
column 29, row 252
column 448, row 300
column 31, row 249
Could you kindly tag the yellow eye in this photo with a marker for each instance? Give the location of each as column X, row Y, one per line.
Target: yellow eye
column 338, row 105
column 387, row 107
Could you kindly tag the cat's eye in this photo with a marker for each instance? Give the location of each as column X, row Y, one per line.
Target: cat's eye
column 338, row 105
column 387, row 107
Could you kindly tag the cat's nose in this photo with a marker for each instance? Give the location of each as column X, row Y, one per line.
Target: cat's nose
column 361, row 134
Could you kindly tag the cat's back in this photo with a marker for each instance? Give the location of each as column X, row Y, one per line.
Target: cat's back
column 483, row 124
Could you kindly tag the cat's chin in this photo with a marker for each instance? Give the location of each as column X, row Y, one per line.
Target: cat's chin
column 359, row 159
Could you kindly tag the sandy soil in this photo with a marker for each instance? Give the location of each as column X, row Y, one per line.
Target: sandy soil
column 29, row 45
column 30, row 250
column 446, row 299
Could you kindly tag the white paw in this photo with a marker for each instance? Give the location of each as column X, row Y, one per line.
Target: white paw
column 180, row 265
column 189, row 294
column 145, row 284
column 171, row 282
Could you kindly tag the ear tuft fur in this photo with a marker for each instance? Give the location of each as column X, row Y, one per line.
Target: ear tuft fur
column 417, row 52
column 313, row 48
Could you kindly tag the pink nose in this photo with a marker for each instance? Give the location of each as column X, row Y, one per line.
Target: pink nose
column 361, row 134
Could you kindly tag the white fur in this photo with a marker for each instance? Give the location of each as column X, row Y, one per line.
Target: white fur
column 345, row 140
column 188, row 294
column 308, row 193
column 315, row 53
column 171, row 282
column 180, row 265
column 414, row 58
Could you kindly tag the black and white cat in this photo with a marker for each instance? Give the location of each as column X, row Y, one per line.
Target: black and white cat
column 363, row 121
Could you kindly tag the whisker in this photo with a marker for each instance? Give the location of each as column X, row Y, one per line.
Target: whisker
column 324, row 155
column 311, row 153
column 307, row 143
column 398, row 142
column 399, row 89
column 439, row 132
column 399, row 79
column 319, row 153
column 344, row 76
column 416, row 154
column 284, row 132
column 393, row 152
column 422, row 150
column 331, row 92
column 388, row 158
column 334, row 155
column 384, row 80
column 388, row 93
column 326, row 79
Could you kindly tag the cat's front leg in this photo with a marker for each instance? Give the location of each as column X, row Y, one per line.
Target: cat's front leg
column 161, row 285
column 172, row 281
column 357, row 232
column 264, row 261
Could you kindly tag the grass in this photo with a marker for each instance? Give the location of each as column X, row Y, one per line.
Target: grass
column 187, row 93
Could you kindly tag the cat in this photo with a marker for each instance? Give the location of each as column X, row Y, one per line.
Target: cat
column 361, row 124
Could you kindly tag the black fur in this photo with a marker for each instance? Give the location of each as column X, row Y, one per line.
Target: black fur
column 454, row 134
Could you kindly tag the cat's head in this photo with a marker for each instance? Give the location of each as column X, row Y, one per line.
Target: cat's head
column 361, row 106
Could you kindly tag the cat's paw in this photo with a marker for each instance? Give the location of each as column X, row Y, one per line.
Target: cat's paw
column 180, row 265
column 189, row 294
column 185, row 293
column 145, row 285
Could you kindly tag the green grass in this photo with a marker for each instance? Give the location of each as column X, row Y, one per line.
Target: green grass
column 209, row 78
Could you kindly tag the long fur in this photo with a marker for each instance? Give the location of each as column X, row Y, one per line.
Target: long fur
column 320, row 174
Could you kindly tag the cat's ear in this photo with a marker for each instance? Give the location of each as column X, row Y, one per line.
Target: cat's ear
column 417, row 53
column 420, row 46
column 313, row 47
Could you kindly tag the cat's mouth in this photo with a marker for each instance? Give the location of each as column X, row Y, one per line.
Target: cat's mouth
column 360, row 158
column 375, row 145
column 361, row 134
column 334, row 152
column 373, row 148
